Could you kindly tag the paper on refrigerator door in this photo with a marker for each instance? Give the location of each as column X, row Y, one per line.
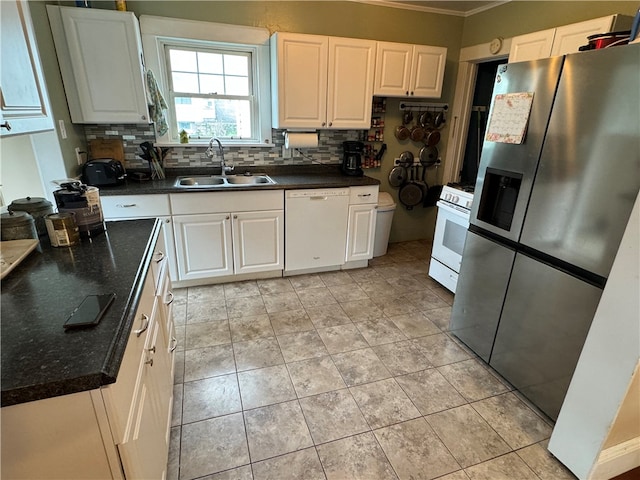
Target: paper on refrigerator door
column 509, row 117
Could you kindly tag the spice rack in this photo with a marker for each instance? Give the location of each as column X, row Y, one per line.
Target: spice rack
column 375, row 135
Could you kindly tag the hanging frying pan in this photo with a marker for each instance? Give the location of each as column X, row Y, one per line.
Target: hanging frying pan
column 402, row 132
column 398, row 176
column 439, row 120
column 410, row 193
column 428, row 156
column 406, row 159
column 432, row 138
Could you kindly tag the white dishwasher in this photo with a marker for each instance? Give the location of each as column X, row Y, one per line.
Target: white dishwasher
column 315, row 228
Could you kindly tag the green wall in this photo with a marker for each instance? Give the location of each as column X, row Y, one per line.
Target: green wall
column 516, row 18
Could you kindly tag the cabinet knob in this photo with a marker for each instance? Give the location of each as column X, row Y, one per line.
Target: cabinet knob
column 159, row 256
column 174, row 341
column 235, row 216
column 144, row 117
column 330, row 124
column 228, row 217
column 407, row 92
column 411, row 93
column 6, row 125
column 324, row 123
column 149, row 362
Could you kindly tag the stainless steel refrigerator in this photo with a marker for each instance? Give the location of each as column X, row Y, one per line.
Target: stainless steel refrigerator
column 549, row 219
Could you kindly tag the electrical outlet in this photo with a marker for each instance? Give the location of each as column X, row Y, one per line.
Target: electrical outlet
column 79, row 156
column 286, row 152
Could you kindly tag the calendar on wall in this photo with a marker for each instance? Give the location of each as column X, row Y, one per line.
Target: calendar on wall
column 509, row 117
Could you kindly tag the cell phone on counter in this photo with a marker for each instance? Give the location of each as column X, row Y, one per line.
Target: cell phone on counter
column 90, row 311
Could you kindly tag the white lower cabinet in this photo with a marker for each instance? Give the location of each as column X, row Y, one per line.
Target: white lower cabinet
column 220, row 244
column 120, row 431
column 258, row 241
column 139, row 404
column 360, row 230
column 203, row 245
column 361, row 226
column 228, row 233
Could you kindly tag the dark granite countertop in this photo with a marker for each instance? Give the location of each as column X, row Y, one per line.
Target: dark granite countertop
column 39, row 358
column 286, row 177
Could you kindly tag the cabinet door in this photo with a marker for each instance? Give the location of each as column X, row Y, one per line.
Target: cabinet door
column 145, row 453
column 393, row 69
column 25, row 105
column 299, row 80
column 100, row 58
column 569, row 37
column 203, row 245
column 531, row 46
column 427, row 71
column 360, row 232
column 350, row 82
column 258, row 241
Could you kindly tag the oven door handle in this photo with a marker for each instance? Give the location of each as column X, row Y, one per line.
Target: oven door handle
column 448, row 207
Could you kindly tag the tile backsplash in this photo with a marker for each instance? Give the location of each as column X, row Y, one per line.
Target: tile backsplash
column 329, row 150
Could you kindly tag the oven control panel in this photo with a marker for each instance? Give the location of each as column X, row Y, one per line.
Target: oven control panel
column 457, row 197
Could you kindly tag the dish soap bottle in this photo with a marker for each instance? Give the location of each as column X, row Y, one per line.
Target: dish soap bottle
column 184, row 136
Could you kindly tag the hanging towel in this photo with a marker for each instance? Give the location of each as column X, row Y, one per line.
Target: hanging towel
column 156, row 104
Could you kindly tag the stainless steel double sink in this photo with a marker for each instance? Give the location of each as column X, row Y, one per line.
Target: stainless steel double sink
column 229, row 181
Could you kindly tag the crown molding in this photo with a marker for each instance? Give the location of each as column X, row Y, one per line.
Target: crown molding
column 441, row 11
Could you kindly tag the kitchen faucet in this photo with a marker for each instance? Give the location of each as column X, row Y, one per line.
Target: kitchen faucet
column 209, row 154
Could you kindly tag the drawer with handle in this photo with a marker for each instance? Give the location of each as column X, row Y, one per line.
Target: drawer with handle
column 360, row 195
column 134, row 206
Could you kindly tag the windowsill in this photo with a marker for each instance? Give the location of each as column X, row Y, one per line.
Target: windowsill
column 205, row 144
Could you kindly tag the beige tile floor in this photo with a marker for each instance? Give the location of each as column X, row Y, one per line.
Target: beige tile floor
column 343, row 375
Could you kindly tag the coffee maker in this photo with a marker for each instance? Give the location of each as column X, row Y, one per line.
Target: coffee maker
column 352, row 160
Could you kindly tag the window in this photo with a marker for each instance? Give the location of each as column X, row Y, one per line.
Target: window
column 210, row 92
column 215, row 79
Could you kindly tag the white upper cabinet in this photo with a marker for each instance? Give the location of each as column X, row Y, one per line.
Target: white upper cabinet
column 321, row 82
column 404, row 70
column 532, row 46
column 350, row 82
column 100, row 57
column 25, row 105
column 563, row 40
column 570, row 37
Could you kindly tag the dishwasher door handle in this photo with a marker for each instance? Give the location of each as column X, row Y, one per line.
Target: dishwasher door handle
column 319, row 197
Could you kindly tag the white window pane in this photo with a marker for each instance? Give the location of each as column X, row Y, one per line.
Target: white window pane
column 185, row 82
column 237, row 86
column 210, row 63
column 206, row 118
column 183, row 61
column 236, row 65
column 212, row 84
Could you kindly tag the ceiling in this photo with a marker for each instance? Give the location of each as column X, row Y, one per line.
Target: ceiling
column 460, row 8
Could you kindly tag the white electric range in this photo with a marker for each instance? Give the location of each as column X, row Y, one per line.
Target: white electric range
column 454, row 208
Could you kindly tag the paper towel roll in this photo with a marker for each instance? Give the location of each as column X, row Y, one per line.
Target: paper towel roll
column 300, row 140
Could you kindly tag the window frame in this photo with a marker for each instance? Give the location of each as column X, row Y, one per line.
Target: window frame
column 159, row 32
